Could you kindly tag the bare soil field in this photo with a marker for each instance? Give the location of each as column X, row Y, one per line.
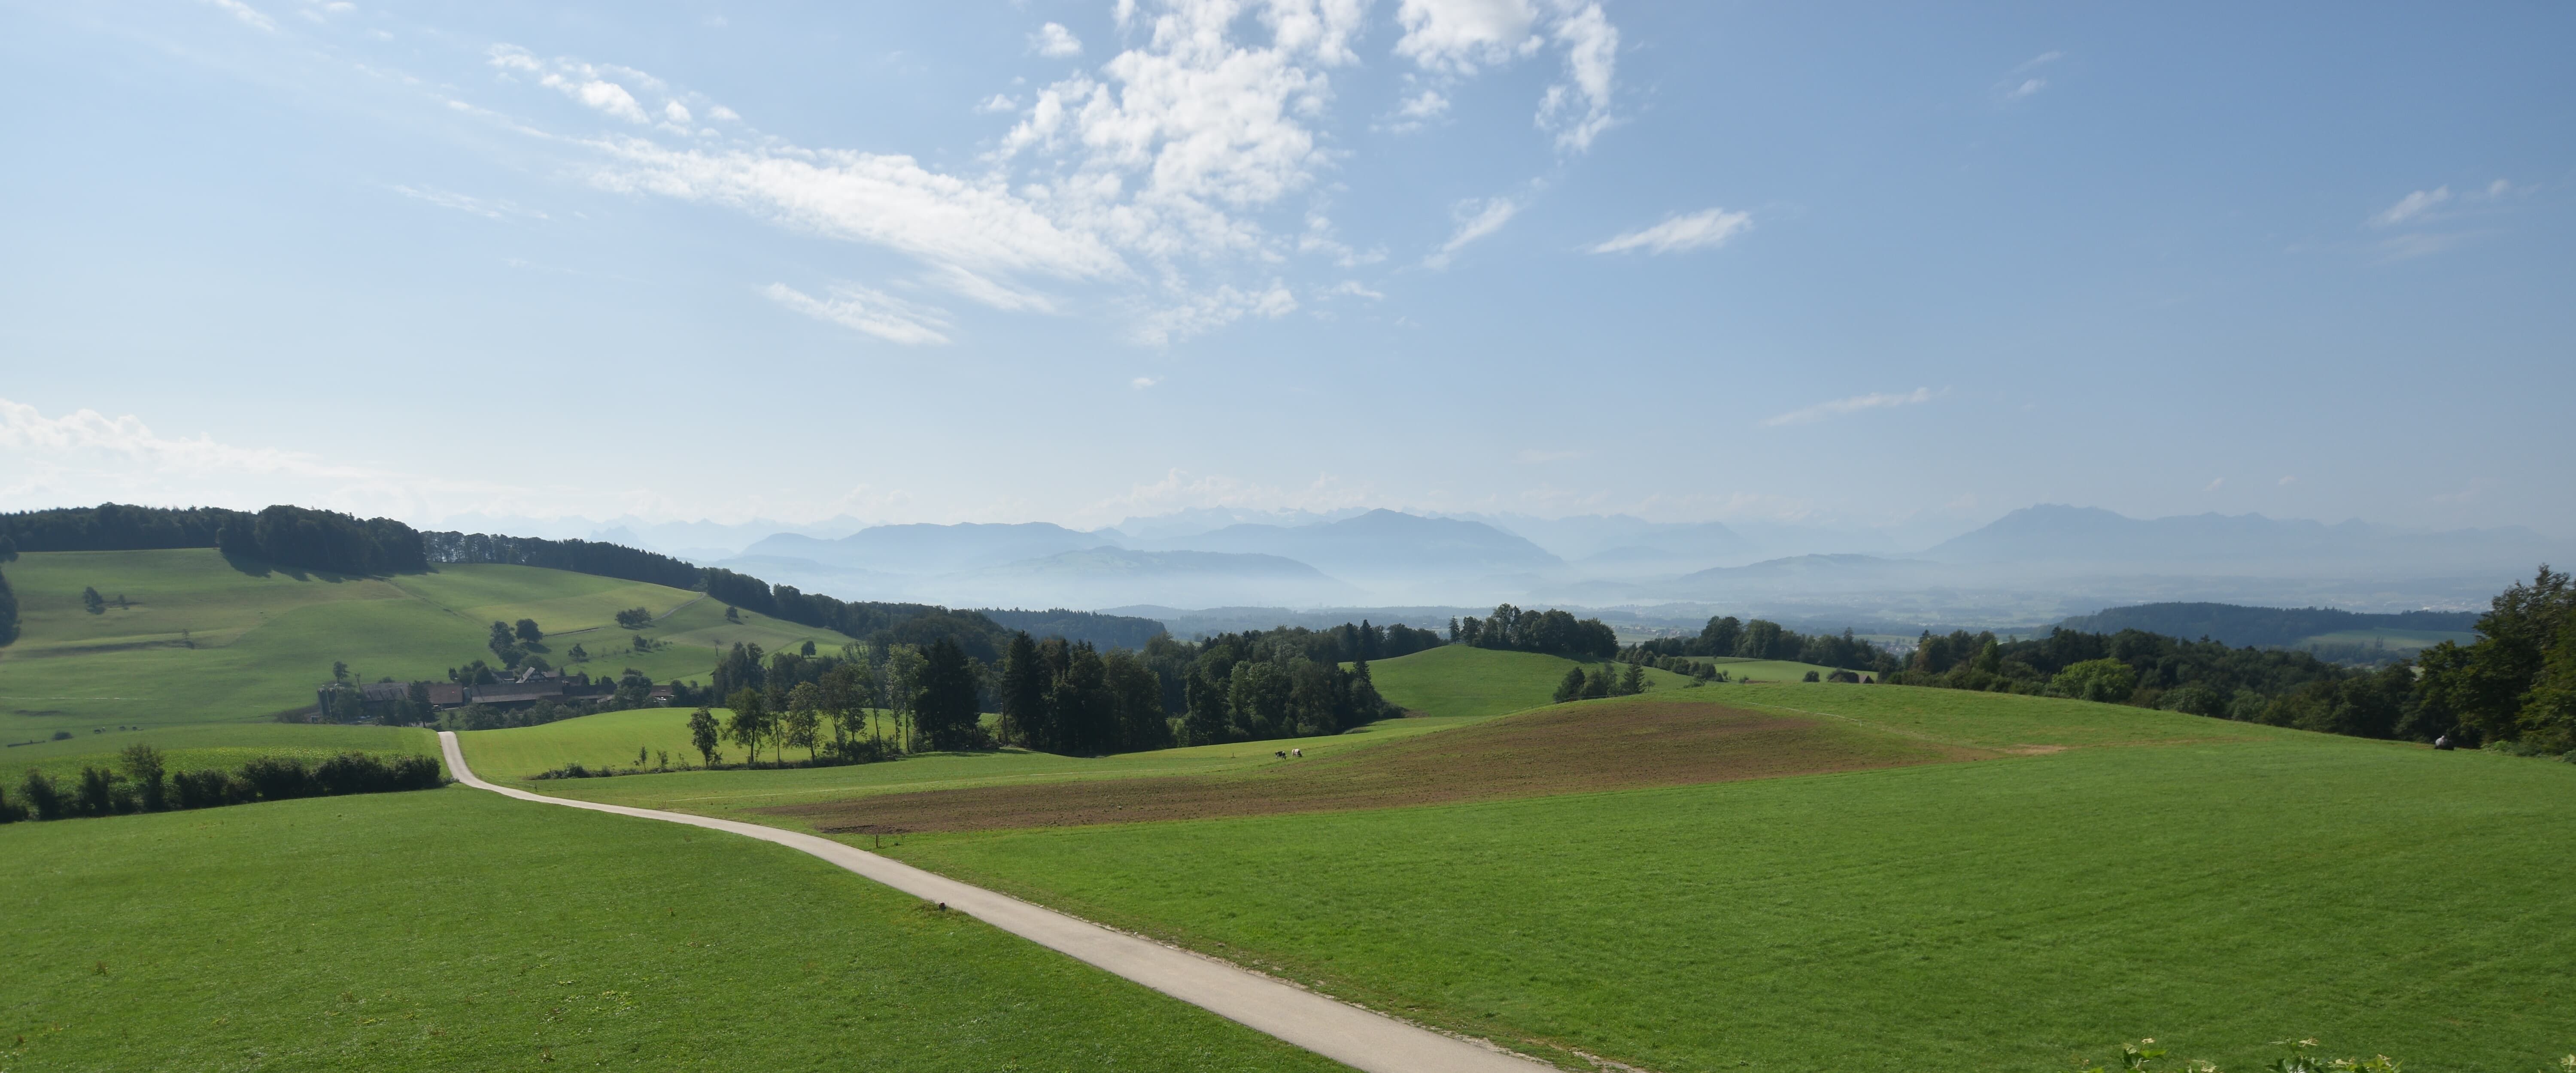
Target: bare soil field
column 1595, row 745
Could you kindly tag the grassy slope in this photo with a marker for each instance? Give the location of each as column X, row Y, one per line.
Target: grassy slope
column 217, row 745
column 453, row 929
column 264, row 640
column 2225, row 887
column 1455, row 680
column 611, row 738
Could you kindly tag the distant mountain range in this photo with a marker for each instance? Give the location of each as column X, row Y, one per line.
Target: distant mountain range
column 2044, row 562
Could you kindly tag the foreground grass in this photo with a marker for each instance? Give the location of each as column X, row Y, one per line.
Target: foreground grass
column 2001, row 914
column 200, row 640
column 454, row 929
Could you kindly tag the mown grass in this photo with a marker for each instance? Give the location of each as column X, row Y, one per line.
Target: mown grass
column 216, row 745
column 2217, row 891
column 611, row 738
column 205, row 641
column 1458, row 681
column 454, row 929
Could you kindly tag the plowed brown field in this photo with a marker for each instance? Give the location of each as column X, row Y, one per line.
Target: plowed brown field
column 1597, row 745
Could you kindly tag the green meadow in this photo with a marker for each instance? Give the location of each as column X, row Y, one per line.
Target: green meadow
column 197, row 640
column 610, row 739
column 212, row 745
column 455, row 929
column 2216, row 886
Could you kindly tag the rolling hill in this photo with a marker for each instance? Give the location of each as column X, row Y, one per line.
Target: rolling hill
column 187, row 637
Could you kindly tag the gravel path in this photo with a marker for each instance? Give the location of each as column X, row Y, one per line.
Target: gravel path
column 1348, row 1034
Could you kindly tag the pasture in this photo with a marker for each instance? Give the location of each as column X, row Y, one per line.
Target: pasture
column 213, row 745
column 196, row 639
column 455, row 929
column 1458, row 681
column 2105, row 873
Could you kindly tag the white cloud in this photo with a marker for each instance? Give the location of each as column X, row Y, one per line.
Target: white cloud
column 1698, row 230
column 1455, row 38
column 2411, row 206
column 1457, row 35
column 1355, row 289
column 1578, row 109
column 2286, row 480
column 676, row 112
column 2214, row 484
column 248, row 15
column 605, row 96
column 2027, row 87
column 1053, row 40
column 1426, row 105
column 867, row 310
column 1854, row 404
column 2041, row 60
column 998, row 103
column 1143, row 382
column 723, row 113
column 1476, row 219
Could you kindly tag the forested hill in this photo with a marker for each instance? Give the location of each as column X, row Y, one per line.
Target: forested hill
column 303, row 539
column 2261, row 627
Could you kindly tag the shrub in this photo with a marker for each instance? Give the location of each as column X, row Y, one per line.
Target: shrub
column 275, row 778
column 1811, row 676
column 210, row 788
column 96, row 793
column 45, row 798
column 2106, row 680
column 10, row 813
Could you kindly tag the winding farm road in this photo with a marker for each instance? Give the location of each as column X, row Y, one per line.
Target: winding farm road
column 1348, row 1034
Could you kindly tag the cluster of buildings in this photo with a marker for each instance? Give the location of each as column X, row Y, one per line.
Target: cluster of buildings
column 519, row 690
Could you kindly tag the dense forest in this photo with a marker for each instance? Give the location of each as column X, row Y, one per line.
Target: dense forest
column 292, row 537
column 8, row 599
column 2262, row 627
column 578, row 556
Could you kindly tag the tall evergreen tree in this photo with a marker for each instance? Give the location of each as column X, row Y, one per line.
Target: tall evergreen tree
column 1024, row 694
column 944, row 708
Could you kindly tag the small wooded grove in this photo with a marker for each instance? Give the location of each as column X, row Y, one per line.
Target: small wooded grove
column 141, row 782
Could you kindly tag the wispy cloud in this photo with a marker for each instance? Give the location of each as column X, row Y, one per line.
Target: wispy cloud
column 488, row 209
column 1143, row 382
column 248, row 15
column 2411, row 206
column 867, row 310
column 1852, row 405
column 2028, row 87
column 1476, row 219
column 1695, row 231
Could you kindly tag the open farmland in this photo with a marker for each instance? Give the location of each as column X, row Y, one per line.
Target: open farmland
column 1572, row 748
column 454, row 929
column 215, row 745
column 2134, row 873
column 197, row 639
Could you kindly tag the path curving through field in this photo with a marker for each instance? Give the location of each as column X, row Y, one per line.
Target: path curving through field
column 1351, row 1035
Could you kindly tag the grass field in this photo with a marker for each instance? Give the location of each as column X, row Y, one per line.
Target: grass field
column 2214, row 885
column 611, row 738
column 1455, row 680
column 217, row 745
column 454, row 929
column 199, row 640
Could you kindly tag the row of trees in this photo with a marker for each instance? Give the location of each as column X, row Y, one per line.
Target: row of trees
column 1068, row 697
column 142, row 782
column 577, row 556
column 1725, row 636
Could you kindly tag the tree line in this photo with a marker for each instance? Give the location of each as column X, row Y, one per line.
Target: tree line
column 1725, row 636
column 141, row 782
column 2514, row 688
column 577, row 556
column 8, row 599
column 294, row 537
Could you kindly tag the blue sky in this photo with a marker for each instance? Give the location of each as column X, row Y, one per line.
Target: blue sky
column 1863, row 267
